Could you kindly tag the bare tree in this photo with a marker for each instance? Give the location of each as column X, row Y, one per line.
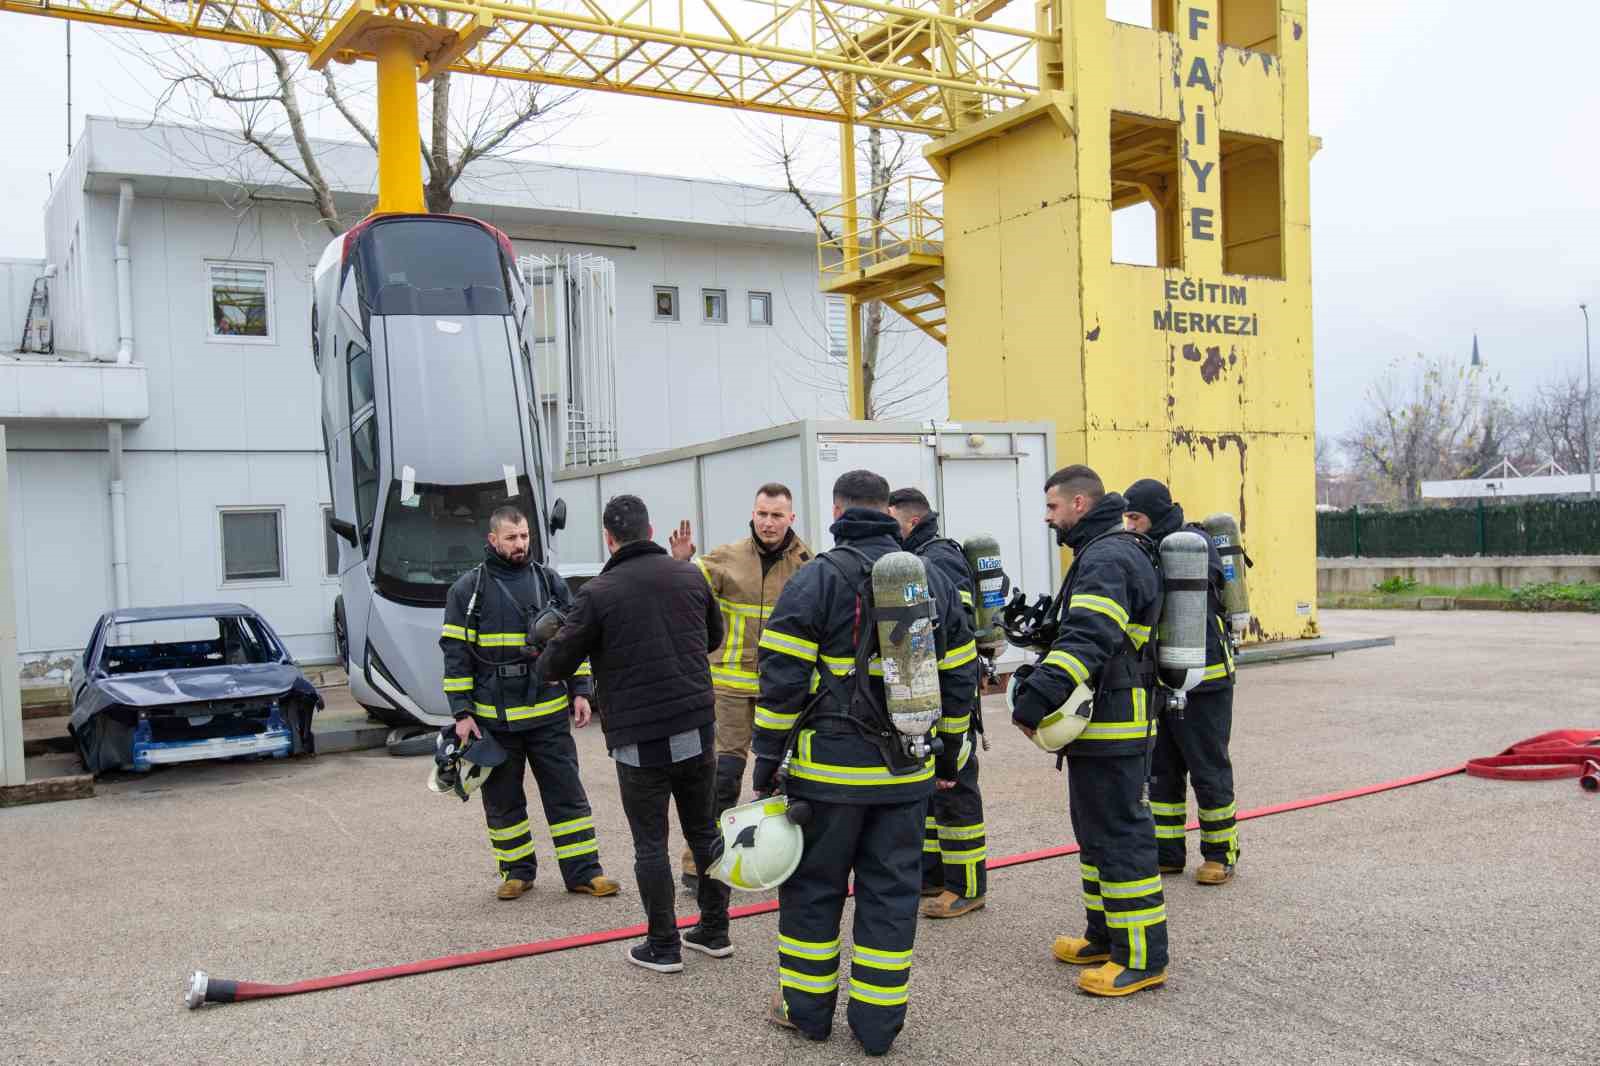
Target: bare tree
column 1425, row 419
column 266, row 99
column 894, row 381
column 1553, row 423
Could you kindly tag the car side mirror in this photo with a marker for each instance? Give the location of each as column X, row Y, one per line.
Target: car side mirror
column 558, row 516
column 343, row 529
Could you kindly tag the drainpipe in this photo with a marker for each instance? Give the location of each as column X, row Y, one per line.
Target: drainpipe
column 124, row 278
column 119, row 518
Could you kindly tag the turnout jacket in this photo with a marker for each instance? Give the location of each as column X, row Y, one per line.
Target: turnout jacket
column 645, row 624
column 478, row 658
column 813, row 627
column 945, row 556
column 1219, row 646
column 746, row 579
column 1110, row 603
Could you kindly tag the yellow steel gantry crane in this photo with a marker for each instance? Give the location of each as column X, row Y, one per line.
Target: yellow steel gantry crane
column 1197, row 369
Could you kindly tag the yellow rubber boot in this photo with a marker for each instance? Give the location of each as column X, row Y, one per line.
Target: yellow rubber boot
column 597, row 886
column 1079, row 951
column 1213, row 873
column 1114, row 980
column 511, row 888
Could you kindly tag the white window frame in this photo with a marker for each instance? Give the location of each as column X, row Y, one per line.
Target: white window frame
column 223, row 581
column 677, row 303
column 749, row 297
column 212, row 336
column 705, row 317
column 325, row 511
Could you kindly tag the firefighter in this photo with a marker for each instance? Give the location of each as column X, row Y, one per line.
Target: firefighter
column 1194, row 743
column 954, row 847
column 1110, row 601
column 866, row 817
column 488, row 680
column 745, row 577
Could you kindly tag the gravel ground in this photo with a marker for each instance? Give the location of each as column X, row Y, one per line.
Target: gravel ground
column 1450, row 922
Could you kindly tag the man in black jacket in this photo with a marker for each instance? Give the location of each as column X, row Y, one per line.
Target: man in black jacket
column 1110, row 602
column 645, row 624
column 954, row 846
column 489, row 683
column 1193, row 744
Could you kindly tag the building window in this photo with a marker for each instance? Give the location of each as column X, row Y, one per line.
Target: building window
column 330, row 545
column 252, row 545
column 1252, row 206
column 838, row 323
column 761, row 308
column 1249, row 24
column 241, row 300
column 1145, row 213
column 666, row 303
column 714, row 304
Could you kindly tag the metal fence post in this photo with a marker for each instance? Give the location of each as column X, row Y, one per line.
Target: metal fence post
column 1355, row 534
column 12, row 770
column 1483, row 532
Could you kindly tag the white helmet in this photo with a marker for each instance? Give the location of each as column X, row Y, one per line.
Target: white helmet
column 761, row 843
column 1064, row 724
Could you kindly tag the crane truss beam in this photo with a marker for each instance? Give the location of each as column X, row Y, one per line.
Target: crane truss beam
column 919, row 69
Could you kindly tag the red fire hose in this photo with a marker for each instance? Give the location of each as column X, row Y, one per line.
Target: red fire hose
column 1546, row 757
column 204, row 989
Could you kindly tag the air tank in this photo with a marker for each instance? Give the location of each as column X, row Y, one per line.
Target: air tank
column 983, row 559
column 906, row 642
column 1224, row 533
column 1181, row 653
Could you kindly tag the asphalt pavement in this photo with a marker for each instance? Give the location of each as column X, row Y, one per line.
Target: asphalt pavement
column 1450, row 922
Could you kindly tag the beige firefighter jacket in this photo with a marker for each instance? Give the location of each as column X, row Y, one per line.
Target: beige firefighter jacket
column 746, row 599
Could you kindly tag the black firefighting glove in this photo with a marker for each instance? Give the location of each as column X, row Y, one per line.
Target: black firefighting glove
column 764, row 778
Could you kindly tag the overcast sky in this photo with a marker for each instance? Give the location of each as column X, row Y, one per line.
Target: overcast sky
column 1457, row 191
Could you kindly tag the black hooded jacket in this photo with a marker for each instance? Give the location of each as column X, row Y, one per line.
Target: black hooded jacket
column 1112, row 598
column 945, row 555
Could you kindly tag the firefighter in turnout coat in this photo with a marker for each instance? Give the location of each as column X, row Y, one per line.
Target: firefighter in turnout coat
column 954, row 845
column 866, row 819
column 1110, row 603
column 1193, row 745
column 490, row 684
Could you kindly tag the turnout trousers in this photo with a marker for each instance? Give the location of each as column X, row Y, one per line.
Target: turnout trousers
column 1195, row 748
column 553, row 756
column 1122, row 895
column 955, row 848
column 882, row 845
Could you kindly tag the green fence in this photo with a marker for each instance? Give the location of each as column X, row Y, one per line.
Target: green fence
column 1544, row 527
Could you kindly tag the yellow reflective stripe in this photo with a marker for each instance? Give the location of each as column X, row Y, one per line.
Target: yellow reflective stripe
column 1102, row 605
column 738, row 680
column 799, row 647
column 965, row 856
column 805, row 982
column 583, row 670
column 1219, row 836
column 808, row 949
column 879, row 995
column 766, row 719
column 966, row 597
column 1065, row 660
column 561, row 829
column 880, row 960
column 454, row 632
column 1217, row 814
column 1117, row 731
column 1089, row 873
column 747, row 610
column 501, row 640
column 510, row 832
column 959, row 656
column 513, row 854
column 1170, row 832
column 930, row 846
column 843, row 664
column 1179, row 809
column 1130, row 889
column 1140, row 635
column 520, row 714
column 961, row 832
column 1093, row 902
column 1137, row 919
column 458, row 684
column 955, row 725
column 583, row 847
column 705, row 573
column 802, row 767
column 1215, row 672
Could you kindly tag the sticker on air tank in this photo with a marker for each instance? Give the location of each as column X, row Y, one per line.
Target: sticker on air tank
column 988, row 562
column 913, row 593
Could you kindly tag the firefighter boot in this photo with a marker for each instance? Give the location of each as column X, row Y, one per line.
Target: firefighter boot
column 1079, row 951
column 596, row 886
column 1114, row 980
column 1213, row 873
column 512, row 887
column 950, row 905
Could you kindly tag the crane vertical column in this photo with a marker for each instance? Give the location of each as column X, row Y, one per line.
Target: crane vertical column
column 399, row 129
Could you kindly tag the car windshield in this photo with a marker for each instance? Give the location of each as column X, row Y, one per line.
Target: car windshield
column 186, row 644
column 432, row 266
column 438, row 533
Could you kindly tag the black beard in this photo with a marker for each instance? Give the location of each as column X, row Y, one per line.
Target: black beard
column 1061, row 534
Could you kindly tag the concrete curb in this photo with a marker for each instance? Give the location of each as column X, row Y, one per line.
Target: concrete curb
column 1450, row 603
column 1306, row 649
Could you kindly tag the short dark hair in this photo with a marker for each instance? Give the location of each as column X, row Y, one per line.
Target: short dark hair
column 506, row 516
column 627, row 519
column 861, row 488
column 1077, row 480
column 776, row 489
column 910, row 500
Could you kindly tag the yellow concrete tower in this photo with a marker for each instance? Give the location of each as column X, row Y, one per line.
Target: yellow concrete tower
column 1197, row 370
